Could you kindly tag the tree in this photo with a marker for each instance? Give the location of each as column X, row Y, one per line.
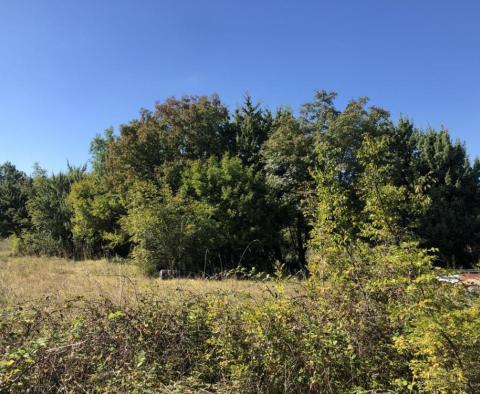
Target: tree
column 50, row 212
column 317, row 114
column 252, row 126
column 373, row 175
column 218, row 219
column 186, row 129
column 14, row 191
column 237, row 198
column 168, row 231
column 258, row 177
column 288, row 156
column 97, row 205
column 99, row 150
column 381, row 283
column 452, row 222
column 339, row 169
column 96, row 212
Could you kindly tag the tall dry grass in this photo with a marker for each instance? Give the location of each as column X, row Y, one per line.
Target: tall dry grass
column 24, row 279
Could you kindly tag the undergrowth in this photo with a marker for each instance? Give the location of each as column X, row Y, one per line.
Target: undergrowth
column 384, row 326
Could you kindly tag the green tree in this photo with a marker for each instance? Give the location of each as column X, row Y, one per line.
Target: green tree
column 50, row 212
column 179, row 129
column 383, row 285
column 99, row 150
column 340, row 170
column 14, row 191
column 97, row 205
column 167, row 230
column 452, row 222
column 288, row 156
column 432, row 187
column 237, row 197
column 409, row 329
column 96, row 211
column 251, row 126
column 317, row 114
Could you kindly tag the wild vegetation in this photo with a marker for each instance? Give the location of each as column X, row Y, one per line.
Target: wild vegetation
column 371, row 209
column 188, row 186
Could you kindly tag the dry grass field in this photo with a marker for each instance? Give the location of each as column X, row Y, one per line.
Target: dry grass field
column 25, row 279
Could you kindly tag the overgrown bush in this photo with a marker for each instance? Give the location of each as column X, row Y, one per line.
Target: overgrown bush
column 168, row 231
column 218, row 219
column 95, row 219
column 300, row 338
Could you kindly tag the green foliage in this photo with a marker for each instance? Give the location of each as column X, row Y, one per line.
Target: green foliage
column 372, row 174
column 391, row 207
column 217, row 220
column 407, row 331
column 96, row 211
column 442, row 341
column 50, row 212
column 191, row 190
column 288, row 156
column 189, row 128
column 99, row 150
column 316, row 115
column 385, row 289
column 168, row 231
column 340, row 170
column 252, row 126
column 348, row 333
column 452, row 223
column 14, row 191
column 236, row 197
column 262, row 181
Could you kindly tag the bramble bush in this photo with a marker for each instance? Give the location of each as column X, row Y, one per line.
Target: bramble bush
column 397, row 333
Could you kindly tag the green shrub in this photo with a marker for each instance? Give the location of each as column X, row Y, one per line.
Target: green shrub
column 96, row 212
column 301, row 338
column 168, row 231
column 51, row 230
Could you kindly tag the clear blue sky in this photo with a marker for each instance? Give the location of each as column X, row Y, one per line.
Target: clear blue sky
column 69, row 69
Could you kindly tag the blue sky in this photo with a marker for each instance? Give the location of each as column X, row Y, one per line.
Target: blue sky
column 69, row 69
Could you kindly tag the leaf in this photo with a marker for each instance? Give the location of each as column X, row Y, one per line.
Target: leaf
column 115, row 315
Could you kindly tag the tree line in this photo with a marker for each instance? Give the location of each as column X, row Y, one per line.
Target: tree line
column 191, row 186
